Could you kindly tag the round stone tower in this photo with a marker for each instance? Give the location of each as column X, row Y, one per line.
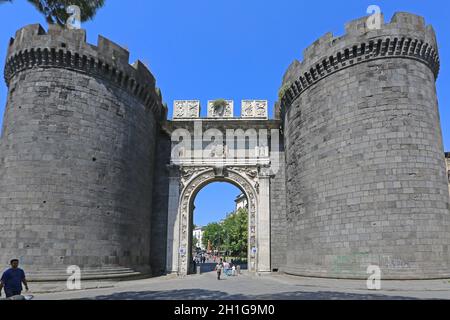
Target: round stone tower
column 76, row 164
column 365, row 166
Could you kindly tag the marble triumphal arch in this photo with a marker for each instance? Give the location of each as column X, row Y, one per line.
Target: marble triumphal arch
column 242, row 151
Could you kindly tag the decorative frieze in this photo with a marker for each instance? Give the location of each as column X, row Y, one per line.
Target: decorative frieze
column 220, row 109
column 254, row 109
column 186, row 109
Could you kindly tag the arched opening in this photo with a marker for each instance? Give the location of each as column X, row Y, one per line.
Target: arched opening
column 192, row 180
column 219, row 226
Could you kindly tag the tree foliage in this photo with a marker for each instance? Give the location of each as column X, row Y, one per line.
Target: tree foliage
column 220, row 103
column 55, row 10
column 236, row 233
column 229, row 235
column 283, row 90
column 214, row 233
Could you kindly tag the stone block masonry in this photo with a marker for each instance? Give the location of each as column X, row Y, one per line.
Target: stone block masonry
column 160, row 204
column 447, row 162
column 279, row 245
column 77, row 155
column 365, row 177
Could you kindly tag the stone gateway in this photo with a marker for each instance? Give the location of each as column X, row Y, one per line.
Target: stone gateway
column 351, row 172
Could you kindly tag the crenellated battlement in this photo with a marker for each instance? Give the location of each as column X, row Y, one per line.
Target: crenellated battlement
column 406, row 36
column 62, row 48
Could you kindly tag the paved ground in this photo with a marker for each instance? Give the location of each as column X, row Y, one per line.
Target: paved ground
column 246, row 286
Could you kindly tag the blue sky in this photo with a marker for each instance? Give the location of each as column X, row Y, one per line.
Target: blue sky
column 233, row 49
column 214, row 201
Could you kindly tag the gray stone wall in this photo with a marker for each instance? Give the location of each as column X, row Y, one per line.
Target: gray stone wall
column 78, row 151
column 160, row 204
column 366, row 184
column 278, row 235
column 447, row 162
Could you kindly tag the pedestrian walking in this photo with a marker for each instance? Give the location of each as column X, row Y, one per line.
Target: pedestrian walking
column 12, row 280
column 219, row 268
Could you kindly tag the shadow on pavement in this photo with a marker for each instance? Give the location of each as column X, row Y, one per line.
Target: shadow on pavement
column 200, row 294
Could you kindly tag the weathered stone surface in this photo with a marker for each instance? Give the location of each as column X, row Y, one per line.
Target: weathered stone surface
column 186, row 109
column 254, row 109
column 160, row 204
column 77, row 154
column 447, row 161
column 279, row 244
column 366, row 184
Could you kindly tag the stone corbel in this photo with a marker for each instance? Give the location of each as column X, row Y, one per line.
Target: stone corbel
column 219, row 171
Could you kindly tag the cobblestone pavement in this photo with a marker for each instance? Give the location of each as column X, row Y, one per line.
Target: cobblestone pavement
column 247, row 286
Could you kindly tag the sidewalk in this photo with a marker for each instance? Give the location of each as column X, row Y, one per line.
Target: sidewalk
column 386, row 285
column 61, row 286
column 245, row 286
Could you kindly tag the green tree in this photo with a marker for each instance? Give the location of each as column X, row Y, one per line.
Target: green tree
column 55, row 10
column 235, row 230
column 230, row 235
column 214, row 233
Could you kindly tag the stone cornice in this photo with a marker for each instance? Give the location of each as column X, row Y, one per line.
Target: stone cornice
column 221, row 124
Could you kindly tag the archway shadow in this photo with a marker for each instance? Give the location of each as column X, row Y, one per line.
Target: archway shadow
column 201, row 294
